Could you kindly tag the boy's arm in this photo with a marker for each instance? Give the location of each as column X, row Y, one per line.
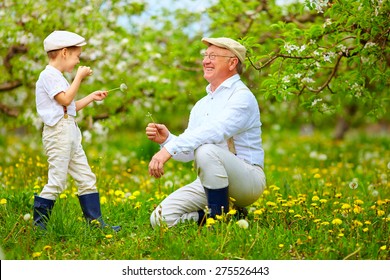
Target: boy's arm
column 94, row 96
column 66, row 97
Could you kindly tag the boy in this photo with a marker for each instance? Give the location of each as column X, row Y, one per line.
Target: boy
column 61, row 136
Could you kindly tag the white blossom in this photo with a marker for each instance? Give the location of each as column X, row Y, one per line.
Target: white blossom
column 328, row 22
column 315, row 101
column 319, row 5
column 87, row 136
column 307, row 80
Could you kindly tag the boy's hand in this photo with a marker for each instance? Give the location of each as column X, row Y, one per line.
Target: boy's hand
column 84, row 71
column 99, row 95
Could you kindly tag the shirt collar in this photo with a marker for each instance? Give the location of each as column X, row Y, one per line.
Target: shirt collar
column 225, row 84
column 52, row 68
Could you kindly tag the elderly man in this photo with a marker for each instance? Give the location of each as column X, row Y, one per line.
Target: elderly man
column 223, row 137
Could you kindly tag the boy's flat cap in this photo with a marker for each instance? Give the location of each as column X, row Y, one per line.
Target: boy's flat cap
column 60, row 39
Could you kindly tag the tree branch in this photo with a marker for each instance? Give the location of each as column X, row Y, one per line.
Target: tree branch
column 12, row 112
column 326, row 84
column 277, row 56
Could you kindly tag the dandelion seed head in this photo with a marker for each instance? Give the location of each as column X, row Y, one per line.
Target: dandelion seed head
column 27, row 217
column 374, row 193
column 123, row 87
column 243, row 224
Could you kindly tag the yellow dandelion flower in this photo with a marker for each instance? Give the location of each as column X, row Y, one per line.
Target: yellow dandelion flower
column 132, row 197
column 36, row 254
column 136, row 193
column 380, row 213
column 380, row 202
column 258, row 212
column 232, row 212
column 47, row 248
column 219, row 217
column 367, row 223
column 357, row 209
column 270, row 203
column 63, row 196
column 138, row 205
column 119, row 193
column 3, row 201
column 103, row 200
column 291, row 211
column 317, row 176
column 358, row 202
column 365, row 229
column 323, row 200
column 317, row 220
column 345, row 206
column 266, row 192
column 315, row 198
column 357, row 223
column 337, row 222
column 109, row 236
column 325, row 223
column 383, row 247
column 210, row 222
column 281, row 245
column 95, row 222
column 338, row 195
column 297, row 216
column 340, row 234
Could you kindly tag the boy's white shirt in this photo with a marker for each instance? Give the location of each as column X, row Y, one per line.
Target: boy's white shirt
column 51, row 82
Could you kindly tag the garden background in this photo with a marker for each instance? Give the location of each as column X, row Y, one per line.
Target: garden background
column 319, row 70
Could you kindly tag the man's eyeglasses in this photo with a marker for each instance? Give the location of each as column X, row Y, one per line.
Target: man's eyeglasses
column 213, row 56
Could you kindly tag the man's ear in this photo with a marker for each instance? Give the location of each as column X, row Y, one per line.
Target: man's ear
column 233, row 63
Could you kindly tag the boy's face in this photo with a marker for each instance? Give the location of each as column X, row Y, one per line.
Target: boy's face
column 71, row 57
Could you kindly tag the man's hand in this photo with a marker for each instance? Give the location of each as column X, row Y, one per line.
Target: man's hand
column 157, row 132
column 156, row 164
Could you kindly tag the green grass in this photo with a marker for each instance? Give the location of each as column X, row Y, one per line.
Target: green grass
column 308, row 211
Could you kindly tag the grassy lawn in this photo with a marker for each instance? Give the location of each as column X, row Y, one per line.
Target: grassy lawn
column 325, row 200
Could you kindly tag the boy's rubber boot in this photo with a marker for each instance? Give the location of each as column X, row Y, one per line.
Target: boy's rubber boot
column 90, row 204
column 42, row 211
column 217, row 201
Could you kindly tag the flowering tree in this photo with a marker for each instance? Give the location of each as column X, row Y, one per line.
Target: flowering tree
column 330, row 57
column 308, row 61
